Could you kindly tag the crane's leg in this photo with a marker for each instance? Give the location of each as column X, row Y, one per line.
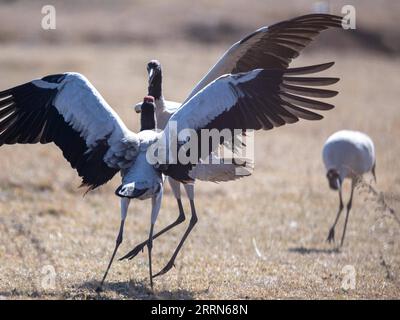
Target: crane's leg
column 331, row 235
column 193, row 220
column 150, row 247
column 373, row 171
column 155, row 209
column 349, row 204
column 175, row 185
column 124, row 210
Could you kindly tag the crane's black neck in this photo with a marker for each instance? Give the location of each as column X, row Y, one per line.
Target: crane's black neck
column 155, row 82
column 147, row 117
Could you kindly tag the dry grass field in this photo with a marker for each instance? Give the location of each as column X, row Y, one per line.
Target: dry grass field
column 285, row 207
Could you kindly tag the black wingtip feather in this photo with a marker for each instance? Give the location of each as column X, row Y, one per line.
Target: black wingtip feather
column 310, row 69
column 309, row 81
column 308, row 92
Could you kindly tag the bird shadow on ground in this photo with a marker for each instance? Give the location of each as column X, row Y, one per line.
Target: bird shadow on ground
column 134, row 290
column 304, row 250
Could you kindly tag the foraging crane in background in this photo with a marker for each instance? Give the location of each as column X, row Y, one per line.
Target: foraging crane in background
column 67, row 110
column 271, row 47
column 347, row 154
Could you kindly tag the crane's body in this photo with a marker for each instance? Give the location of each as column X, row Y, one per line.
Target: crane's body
column 141, row 175
column 347, row 154
column 351, row 153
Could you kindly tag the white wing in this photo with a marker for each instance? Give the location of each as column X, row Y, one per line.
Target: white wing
column 66, row 109
column 269, row 47
column 259, row 99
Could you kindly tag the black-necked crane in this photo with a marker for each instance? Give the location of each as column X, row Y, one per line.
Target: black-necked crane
column 271, row 47
column 214, row 169
column 347, row 154
column 66, row 109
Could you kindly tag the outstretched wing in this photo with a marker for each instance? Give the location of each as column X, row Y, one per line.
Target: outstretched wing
column 66, row 109
column 258, row 99
column 271, row 47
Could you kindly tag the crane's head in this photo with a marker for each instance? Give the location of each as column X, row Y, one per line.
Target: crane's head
column 154, row 82
column 132, row 191
column 334, row 179
column 155, row 78
column 141, row 180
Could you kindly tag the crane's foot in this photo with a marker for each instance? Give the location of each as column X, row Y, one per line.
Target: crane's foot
column 168, row 267
column 331, row 235
column 134, row 252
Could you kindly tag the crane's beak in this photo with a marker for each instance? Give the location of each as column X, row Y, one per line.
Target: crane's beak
column 151, row 74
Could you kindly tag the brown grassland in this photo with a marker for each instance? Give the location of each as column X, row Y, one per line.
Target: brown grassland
column 285, row 207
